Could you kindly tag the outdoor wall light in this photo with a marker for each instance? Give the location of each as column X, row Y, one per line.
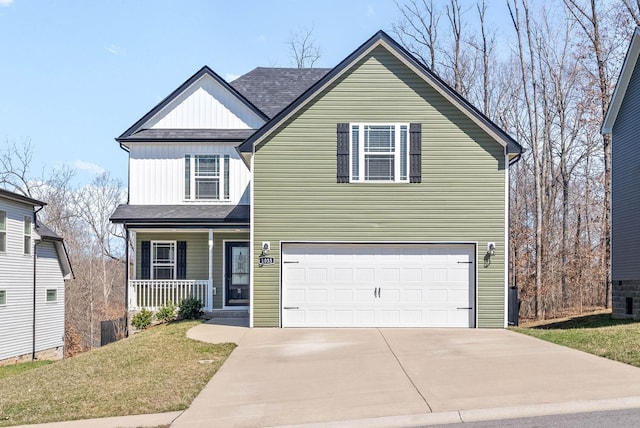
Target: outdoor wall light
column 266, row 246
column 491, row 248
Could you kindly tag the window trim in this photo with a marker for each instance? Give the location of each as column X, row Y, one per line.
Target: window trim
column 27, row 237
column 55, row 291
column 3, row 233
column 223, row 177
column 153, row 263
column 3, row 300
column 397, row 161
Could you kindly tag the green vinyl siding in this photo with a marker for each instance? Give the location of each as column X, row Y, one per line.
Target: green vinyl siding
column 460, row 199
column 197, row 254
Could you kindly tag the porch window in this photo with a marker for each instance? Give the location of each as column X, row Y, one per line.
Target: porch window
column 206, row 177
column 163, row 262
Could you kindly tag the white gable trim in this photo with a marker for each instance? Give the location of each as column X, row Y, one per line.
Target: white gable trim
column 628, row 67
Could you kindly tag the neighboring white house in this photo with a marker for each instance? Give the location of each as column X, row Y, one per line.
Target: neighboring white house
column 26, row 299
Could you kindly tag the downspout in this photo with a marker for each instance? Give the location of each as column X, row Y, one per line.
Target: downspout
column 126, row 280
column 35, row 245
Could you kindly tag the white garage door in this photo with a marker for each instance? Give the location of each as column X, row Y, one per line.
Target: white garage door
column 378, row 285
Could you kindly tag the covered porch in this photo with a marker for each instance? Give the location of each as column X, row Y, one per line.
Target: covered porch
column 171, row 259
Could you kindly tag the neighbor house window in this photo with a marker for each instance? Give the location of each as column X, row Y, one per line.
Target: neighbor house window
column 3, row 231
column 52, row 295
column 379, row 153
column 163, row 260
column 27, row 235
column 3, row 297
column 206, row 177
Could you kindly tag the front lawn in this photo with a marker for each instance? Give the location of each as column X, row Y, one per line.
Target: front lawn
column 158, row 370
column 16, row 369
column 597, row 334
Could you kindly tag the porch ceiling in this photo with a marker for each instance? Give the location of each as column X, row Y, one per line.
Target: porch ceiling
column 181, row 214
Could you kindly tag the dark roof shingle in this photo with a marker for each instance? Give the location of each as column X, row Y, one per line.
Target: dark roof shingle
column 191, row 134
column 272, row 89
column 181, row 214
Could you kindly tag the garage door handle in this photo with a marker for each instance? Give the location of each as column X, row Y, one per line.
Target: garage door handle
column 290, row 307
column 465, row 308
column 466, row 263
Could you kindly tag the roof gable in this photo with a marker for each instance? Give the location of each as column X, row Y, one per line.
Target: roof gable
column 204, row 101
column 628, row 67
column 381, row 39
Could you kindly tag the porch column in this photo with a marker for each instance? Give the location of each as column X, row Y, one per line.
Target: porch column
column 131, row 267
column 210, row 287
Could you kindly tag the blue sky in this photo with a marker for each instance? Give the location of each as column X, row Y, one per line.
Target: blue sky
column 76, row 74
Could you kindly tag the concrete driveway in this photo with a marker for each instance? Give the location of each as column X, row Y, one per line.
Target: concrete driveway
column 400, row 377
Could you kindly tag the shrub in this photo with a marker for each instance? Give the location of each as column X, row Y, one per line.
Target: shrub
column 142, row 319
column 166, row 313
column 191, row 308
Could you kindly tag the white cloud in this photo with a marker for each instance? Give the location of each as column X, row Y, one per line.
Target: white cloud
column 260, row 39
column 370, row 10
column 88, row 166
column 5, row 2
column 112, row 49
column 230, row 77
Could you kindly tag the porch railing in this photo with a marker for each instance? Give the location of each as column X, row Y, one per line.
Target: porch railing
column 154, row 293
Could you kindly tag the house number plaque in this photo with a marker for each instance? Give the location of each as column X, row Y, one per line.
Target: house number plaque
column 266, row 261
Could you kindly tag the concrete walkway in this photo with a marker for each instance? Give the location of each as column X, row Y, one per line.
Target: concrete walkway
column 390, row 378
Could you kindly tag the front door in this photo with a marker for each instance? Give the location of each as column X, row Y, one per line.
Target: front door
column 237, row 274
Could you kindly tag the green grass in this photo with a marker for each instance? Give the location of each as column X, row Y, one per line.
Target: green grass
column 16, row 369
column 597, row 334
column 158, row 370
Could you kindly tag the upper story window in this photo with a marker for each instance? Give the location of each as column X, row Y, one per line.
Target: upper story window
column 379, row 153
column 163, row 260
column 206, row 177
column 3, row 231
column 27, row 235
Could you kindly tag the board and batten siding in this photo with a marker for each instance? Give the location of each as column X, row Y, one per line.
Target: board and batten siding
column 461, row 197
column 206, row 104
column 625, row 187
column 197, row 254
column 157, row 172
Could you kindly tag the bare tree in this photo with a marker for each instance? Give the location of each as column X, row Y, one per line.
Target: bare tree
column 417, row 29
column 302, row 49
column 81, row 216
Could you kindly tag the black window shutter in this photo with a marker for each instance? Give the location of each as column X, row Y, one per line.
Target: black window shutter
column 145, row 260
column 181, row 260
column 343, row 153
column 415, row 153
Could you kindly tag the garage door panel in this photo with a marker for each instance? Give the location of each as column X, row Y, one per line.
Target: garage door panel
column 355, row 285
column 365, row 274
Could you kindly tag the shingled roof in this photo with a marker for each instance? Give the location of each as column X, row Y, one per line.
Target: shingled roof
column 272, row 89
column 181, row 214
